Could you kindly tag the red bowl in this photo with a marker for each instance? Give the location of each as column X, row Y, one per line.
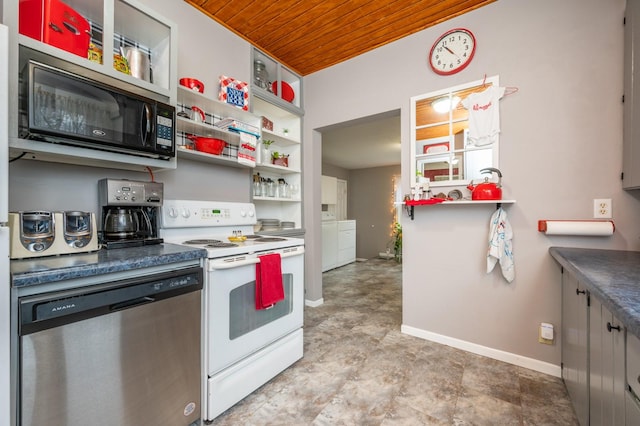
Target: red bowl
column 287, row 91
column 192, row 83
column 209, row 145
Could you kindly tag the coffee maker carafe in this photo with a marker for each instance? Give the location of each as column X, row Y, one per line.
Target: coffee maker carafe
column 129, row 212
column 120, row 223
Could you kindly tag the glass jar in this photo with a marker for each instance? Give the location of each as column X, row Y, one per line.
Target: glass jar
column 260, row 74
column 257, row 189
column 271, row 189
column 283, row 190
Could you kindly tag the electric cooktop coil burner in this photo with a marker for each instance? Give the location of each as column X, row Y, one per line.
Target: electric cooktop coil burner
column 204, row 241
column 220, row 244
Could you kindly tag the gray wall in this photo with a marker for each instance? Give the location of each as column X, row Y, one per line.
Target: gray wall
column 561, row 147
column 371, row 205
column 339, row 172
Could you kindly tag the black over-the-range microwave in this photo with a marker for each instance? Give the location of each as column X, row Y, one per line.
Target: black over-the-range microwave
column 65, row 103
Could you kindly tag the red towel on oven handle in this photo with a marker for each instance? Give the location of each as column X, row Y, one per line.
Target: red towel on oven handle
column 269, row 288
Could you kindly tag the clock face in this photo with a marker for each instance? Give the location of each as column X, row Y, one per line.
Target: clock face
column 452, row 52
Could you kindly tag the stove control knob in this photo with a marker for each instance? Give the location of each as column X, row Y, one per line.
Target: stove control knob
column 173, row 213
column 251, row 213
column 186, row 213
column 243, row 213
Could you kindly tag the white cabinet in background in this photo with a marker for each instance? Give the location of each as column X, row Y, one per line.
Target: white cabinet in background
column 338, row 243
column 346, row 242
column 329, row 191
column 329, row 245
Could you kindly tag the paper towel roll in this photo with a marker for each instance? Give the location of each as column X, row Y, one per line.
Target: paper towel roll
column 598, row 228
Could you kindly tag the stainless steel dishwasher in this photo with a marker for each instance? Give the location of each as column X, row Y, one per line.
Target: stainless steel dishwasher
column 124, row 353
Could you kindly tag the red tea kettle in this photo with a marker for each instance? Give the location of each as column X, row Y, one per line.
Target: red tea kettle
column 487, row 190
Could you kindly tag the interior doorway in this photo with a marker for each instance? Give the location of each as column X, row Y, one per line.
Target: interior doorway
column 365, row 156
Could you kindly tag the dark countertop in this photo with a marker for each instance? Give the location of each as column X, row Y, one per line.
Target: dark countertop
column 612, row 276
column 43, row 270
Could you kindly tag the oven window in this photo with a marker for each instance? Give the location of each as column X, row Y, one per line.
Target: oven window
column 243, row 315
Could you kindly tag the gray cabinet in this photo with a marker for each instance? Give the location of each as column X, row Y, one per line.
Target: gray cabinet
column 575, row 348
column 631, row 117
column 606, row 366
column 593, row 356
column 632, row 403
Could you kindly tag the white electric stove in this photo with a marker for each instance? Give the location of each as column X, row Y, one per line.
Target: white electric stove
column 243, row 347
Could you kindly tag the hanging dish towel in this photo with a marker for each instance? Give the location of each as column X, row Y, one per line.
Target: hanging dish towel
column 500, row 245
column 269, row 288
column 484, row 115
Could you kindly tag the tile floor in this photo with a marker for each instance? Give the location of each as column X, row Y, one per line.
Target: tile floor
column 359, row 369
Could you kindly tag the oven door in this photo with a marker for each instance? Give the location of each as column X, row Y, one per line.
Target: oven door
column 234, row 328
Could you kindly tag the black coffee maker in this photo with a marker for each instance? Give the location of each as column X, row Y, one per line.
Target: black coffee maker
column 129, row 212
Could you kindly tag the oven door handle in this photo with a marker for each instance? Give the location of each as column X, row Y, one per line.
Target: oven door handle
column 232, row 263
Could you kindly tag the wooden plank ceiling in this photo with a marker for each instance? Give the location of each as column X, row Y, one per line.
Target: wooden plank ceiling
column 310, row 35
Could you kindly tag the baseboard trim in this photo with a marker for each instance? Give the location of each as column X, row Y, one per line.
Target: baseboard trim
column 511, row 358
column 314, row 303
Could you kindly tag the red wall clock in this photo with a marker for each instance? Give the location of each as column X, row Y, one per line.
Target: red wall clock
column 452, row 51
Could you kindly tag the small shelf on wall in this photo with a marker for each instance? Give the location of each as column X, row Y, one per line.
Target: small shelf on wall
column 289, row 200
column 222, row 159
column 411, row 204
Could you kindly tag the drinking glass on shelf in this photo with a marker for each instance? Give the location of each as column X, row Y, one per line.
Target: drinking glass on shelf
column 283, row 190
column 271, row 189
column 293, row 190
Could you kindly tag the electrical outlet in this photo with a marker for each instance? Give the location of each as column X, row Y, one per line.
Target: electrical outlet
column 545, row 333
column 602, row 208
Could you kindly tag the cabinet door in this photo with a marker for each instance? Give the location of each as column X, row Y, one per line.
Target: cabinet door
column 575, row 345
column 329, row 190
column 346, row 242
column 606, row 367
column 631, row 114
column 329, row 245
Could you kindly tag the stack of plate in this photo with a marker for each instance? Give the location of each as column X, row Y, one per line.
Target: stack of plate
column 287, row 225
column 270, row 224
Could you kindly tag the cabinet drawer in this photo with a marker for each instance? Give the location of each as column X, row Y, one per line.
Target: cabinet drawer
column 346, row 256
column 346, row 239
column 346, row 225
column 633, row 362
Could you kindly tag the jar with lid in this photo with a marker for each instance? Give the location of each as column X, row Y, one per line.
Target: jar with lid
column 260, row 74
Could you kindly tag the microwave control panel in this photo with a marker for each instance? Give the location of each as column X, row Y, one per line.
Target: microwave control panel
column 165, row 130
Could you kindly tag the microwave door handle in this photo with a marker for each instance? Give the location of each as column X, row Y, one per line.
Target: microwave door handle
column 146, row 123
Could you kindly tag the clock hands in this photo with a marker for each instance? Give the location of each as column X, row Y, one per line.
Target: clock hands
column 451, row 51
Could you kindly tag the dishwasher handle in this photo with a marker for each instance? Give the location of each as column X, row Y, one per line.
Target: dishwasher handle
column 131, row 303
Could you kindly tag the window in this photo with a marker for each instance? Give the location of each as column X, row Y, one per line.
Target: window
column 441, row 150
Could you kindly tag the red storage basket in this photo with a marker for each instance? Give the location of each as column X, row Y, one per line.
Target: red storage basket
column 55, row 23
